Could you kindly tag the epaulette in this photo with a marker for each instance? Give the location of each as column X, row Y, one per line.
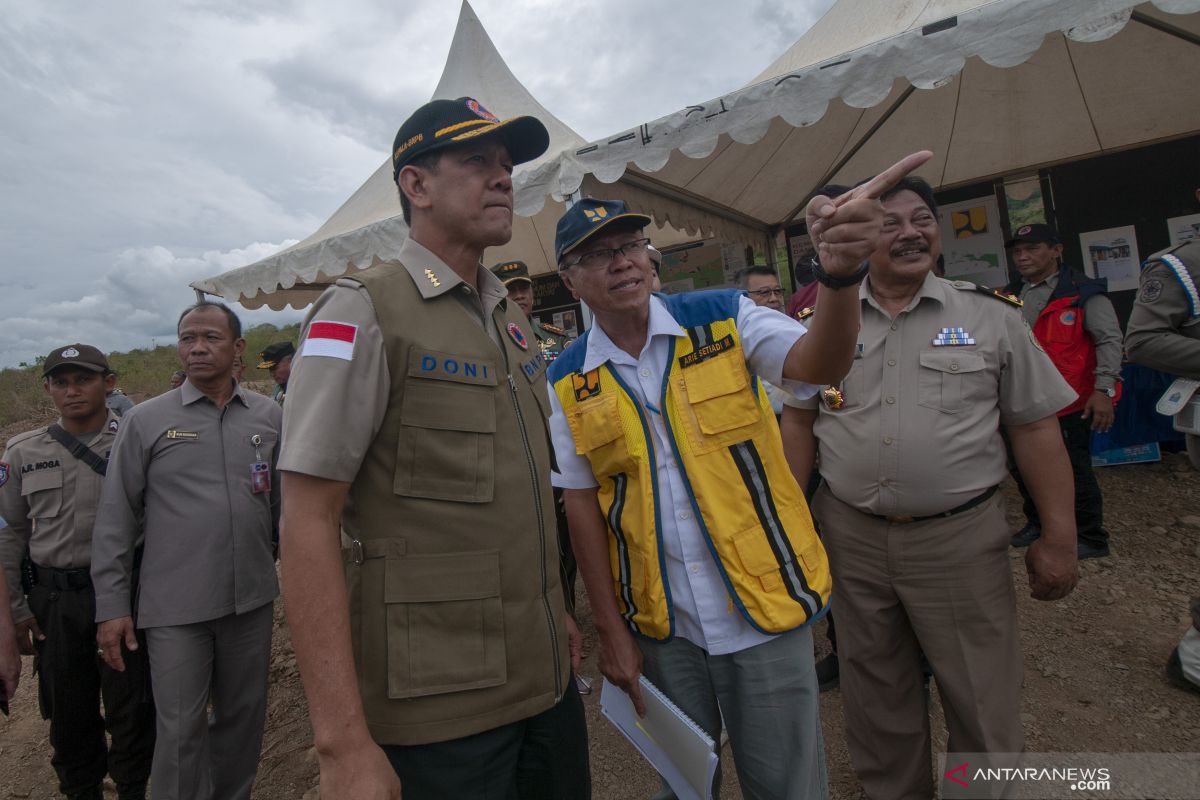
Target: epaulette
column 555, row 330
column 22, row 437
column 995, row 294
column 805, row 313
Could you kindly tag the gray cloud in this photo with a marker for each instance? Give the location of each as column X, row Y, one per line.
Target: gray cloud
column 145, row 144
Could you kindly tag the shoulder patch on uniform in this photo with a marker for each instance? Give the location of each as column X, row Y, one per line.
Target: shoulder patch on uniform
column 1151, row 290
column 996, row 294
column 113, row 425
column 330, row 339
column 555, row 330
column 3, row 473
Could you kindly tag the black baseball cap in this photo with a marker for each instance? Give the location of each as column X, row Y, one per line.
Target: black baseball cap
column 439, row 123
column 509, row 271
column 1037, row 232
column 587, row 218
column 83, row 356
column 272, row 354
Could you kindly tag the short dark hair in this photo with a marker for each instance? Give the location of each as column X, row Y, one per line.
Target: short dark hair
column 428, row 161
column 918, row 186
column 743, row 277
column 235, row 324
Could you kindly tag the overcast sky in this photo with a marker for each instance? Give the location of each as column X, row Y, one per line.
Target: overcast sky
column 146, row 144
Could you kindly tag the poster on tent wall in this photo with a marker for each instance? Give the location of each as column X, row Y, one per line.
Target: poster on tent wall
column 973, row 242
column 1182, row 229
column 701, row 265
column 1113, row 254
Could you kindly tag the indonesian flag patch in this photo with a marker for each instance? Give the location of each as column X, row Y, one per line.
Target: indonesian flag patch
column 330, row 339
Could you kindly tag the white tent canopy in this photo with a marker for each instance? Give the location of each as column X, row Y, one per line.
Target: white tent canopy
column 993, row 87
column 369, row 227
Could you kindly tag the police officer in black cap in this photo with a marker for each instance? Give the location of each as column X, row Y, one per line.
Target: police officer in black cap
column 277, row 358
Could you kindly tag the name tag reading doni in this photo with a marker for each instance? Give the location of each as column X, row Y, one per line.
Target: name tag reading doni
column 174, row 434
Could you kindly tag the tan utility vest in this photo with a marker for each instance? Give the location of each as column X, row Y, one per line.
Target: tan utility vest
column 456, row 608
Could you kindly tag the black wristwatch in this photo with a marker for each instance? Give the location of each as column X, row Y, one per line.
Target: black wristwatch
column 838, row 282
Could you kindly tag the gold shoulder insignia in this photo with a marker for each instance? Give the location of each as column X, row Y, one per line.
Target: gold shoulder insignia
column 995, row 294
column 805, row 313
column 553, row 329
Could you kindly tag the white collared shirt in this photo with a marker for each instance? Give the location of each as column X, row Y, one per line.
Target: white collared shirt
column 704, row 612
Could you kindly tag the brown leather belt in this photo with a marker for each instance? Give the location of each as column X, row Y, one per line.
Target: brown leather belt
column 904, row 519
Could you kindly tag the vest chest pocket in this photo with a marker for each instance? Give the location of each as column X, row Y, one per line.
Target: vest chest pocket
column 946, row 379
column 43, row 491
column 445, row 448
column 445, row 624
column 718, row 391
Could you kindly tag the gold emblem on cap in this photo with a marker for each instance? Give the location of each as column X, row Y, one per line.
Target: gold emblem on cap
column 833, row 398
column 432, row 278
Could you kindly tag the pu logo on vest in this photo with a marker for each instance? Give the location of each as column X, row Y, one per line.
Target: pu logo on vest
column 707, row 351
column 586, row 385
column 453, row 368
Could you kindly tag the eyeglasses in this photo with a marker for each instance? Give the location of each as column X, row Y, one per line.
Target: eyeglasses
column 765, row 293
column 599, row 259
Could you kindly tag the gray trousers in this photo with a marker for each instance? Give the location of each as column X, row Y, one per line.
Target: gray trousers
column 225, row 661
column 768, row 695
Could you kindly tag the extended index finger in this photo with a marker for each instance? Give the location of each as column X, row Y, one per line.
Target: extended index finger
column 885, row 180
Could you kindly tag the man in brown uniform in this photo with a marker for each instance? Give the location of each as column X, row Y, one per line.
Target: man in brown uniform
column 49, row 489
column 1164, row 333
column 416, row 416
column 911, row 456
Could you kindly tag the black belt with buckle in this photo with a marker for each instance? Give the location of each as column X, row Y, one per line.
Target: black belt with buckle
column 904, row 519
column 64, row 580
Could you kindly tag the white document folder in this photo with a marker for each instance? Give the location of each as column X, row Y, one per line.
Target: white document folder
column 674, row 745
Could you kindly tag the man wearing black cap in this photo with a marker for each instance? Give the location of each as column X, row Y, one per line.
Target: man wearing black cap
column 49, row 488
column 693, row 539
column 1075, row 323
column 277, row 359
column 515, row 275
column 437, row 657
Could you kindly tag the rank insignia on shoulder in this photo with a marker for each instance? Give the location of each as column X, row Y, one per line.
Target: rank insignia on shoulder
column 805, row 313
column 953, row 337
column 557, row 331
column 998, row 294
column 833, row 398
column 113, row 425
column 189, row 435
column 4, row 469
column 432, row 278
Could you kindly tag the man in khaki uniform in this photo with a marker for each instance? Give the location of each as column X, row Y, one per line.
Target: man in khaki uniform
column 192, row 479
column 911, row 457
column 1164, row 333
column 49, row 488
column 437, row 657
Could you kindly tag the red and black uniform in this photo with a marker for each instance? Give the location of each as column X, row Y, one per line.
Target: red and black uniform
column 1059, row 328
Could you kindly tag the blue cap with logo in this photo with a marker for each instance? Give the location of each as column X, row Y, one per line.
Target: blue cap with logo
column 587, row 218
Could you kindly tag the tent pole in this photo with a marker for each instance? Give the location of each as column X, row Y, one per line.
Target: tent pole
column 1165, row 27
column 844, row 160
column 570, row 200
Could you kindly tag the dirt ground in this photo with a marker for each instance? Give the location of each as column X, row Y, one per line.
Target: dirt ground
column 1093, row 663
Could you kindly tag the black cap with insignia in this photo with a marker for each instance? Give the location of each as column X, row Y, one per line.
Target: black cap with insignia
column 274, row 353
column 509, row 271
column 1035, row 233
column 76, row 355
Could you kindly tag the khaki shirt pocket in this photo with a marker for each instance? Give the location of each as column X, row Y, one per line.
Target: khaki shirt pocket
column 445, row 624
column 946, row 379
column 445, row 448
column 43, row 493
column 718, row 391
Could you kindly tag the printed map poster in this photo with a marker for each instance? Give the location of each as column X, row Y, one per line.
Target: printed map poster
column 1112, row 253
column 696, row 266
column 1181, row 229
column 973, row 242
